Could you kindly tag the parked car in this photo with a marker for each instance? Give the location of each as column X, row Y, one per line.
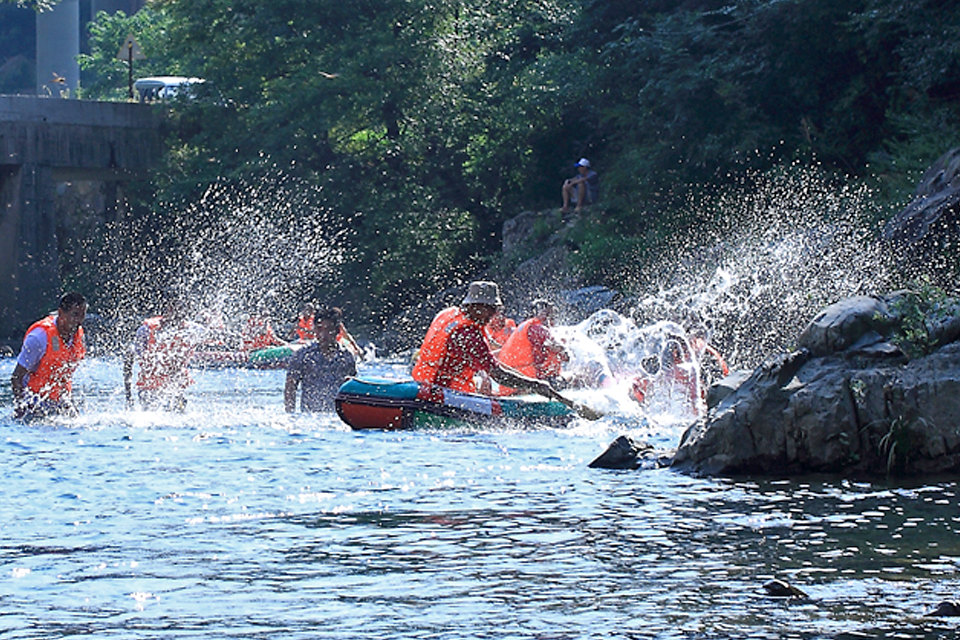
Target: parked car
column 163, row 88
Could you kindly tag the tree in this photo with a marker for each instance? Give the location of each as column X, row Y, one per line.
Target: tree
column 106, row 76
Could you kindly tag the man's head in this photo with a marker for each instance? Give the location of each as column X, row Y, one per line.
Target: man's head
column 482, row 301
column 174, row 308
column 583, row 166
column 545, row 310
column 71, row 312
column 327, row 323
column 71, row 300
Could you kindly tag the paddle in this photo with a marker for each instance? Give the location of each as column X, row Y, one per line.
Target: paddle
column 581, row 410
column 519, row 380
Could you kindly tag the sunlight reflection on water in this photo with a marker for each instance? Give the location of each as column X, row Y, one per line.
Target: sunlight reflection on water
column 236, row 520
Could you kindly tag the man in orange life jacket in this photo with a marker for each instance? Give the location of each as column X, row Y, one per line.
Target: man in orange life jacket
column 164, row 346
column 454, row 349
column 42, row 380
column 304, row 330
column 498, row 329
column 532, row 349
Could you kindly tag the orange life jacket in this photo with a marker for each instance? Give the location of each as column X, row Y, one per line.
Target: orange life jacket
column 434, row 346
column 163, row 365
column 496, row 338
column 305, row 329
column 258, row 334
column 54, row 375
column 639, row 388
column 724, row 369
column 518, row 354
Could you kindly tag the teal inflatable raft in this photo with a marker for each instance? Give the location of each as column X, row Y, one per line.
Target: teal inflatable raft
column 366, row 403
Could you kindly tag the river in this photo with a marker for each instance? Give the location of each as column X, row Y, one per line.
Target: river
column 234, row 520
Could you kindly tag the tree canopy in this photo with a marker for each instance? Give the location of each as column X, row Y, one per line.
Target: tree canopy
column 425, row 124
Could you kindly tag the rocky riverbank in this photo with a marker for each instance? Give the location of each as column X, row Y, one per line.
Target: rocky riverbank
column 872, row 389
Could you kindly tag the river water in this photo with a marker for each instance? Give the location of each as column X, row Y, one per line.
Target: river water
column 234, row 520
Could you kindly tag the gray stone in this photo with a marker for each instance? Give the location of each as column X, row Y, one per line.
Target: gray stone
column 626, row 453
column 722, row 388
column 841, row 412
column 846, row 322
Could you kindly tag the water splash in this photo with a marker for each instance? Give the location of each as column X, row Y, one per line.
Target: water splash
column 778, row 248
column 266, row 242
column 769, row 254
column 639, row 371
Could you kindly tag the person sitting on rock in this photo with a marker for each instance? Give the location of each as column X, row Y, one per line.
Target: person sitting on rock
column 583, row 188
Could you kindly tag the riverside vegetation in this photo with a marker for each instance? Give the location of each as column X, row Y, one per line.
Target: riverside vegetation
column 415, row 128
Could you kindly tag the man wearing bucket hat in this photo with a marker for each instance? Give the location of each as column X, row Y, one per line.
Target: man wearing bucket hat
column 454, row 349
column 583, row 188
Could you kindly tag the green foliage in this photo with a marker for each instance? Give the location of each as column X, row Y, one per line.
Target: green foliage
column 36, row 5
column 918, row 307
column 105, row 76
column 601, row 254
column 426, row 123
column 897, row 445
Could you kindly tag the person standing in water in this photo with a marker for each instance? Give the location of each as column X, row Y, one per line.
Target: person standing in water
column 163, row 345
column 320, row 367
column 42, row 380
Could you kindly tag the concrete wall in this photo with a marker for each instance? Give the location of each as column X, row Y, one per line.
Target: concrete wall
column 45, row 144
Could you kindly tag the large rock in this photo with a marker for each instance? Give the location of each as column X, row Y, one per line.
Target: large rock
column 841, row 325
column 931, row 220
column 848, row 401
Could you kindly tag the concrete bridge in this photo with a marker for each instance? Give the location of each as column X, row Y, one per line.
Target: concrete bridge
column 60, row 161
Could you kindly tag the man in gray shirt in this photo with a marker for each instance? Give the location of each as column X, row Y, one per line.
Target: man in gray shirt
column 320, row 367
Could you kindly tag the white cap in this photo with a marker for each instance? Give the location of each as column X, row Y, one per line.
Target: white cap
column 583, row 163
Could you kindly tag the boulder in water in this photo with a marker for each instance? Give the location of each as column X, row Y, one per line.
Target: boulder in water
column 849, row 401
column 777, row 588
column 627, row 453
column 947, row 608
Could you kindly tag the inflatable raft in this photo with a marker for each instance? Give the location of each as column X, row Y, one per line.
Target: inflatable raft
column 365, row 403
column 267, row 358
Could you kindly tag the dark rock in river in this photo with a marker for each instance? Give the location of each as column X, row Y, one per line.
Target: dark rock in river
column 777, row 588
column 947, row 608
column 627, row 453
column 725, row 386
column 848, row 400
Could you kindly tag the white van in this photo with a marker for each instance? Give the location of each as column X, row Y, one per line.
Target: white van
column 164, row 88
